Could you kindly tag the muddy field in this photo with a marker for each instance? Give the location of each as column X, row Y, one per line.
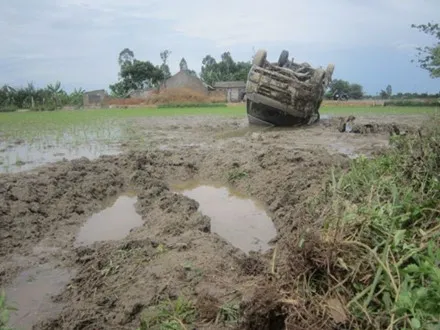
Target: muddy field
column 180, row 212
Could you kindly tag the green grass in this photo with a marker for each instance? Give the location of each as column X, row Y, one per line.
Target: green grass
column 58, row 120
column 176, row 314
column 378, row 110
column 382, row 232
column 4, row 313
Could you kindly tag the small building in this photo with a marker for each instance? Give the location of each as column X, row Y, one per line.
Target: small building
column 234, row 91
column 94, row 98
column 184, row 79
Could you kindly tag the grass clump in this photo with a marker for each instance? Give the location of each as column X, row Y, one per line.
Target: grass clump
column 179, row 314
column 4, row 313
column 374, row 262
column 236, row 174
column 229, row 313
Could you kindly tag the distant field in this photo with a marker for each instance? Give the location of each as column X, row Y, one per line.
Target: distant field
column 22, row 119
column 28, row 139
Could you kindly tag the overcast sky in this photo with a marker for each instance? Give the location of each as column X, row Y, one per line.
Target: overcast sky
column 78, row 42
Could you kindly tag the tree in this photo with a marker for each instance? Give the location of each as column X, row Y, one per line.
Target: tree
column 183, row 65
column 142, row 74
column 126, row 56
column 389, row 91
column 135, row 74
column 339, row 86
column 429, row 56
column 356, row 91
column 227, row 69
column 383, row 94
column 54, row 94
column 164, row 66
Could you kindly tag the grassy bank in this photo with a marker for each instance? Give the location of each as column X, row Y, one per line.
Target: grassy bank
column 374, row 262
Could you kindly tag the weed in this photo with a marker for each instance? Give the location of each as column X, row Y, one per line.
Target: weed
column 229, row 313
column 4, row 313
column 380, row 239
column 179, row 314
column 161, row 248
column 237, row 174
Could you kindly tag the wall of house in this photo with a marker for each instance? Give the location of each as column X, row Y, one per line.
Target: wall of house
column 232, row 94
column 142, row 94
column 184, row 80
column 94, row 98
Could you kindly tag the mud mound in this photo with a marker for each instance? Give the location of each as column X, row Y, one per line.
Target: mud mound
column 349, row 125
column 171, row 256
column 33, row 203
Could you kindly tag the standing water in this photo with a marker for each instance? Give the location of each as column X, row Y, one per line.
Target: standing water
column 240, row 220
column 113, row 223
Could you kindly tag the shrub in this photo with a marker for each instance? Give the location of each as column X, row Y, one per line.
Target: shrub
column 374, row 263
column 413, row 103
column 8, row 108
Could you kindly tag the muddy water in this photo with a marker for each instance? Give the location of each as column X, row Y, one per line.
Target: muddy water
column 31, row 295
column 240, row 220
column 22, row 154
column 113, row 223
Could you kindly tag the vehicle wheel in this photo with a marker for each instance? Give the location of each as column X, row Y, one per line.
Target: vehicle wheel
column 260, row 58
column 330, row 69
column 284, row 57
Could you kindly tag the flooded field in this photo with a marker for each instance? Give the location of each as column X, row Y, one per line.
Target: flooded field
column 211, row 202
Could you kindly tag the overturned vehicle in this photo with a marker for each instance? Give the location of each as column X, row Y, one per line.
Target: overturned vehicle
column 285, row 93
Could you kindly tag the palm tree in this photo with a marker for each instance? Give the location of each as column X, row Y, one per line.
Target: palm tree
column 55, row 92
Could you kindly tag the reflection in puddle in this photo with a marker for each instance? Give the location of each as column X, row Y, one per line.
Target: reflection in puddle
column 243, row 222
column 113, row 223
column 30, row 294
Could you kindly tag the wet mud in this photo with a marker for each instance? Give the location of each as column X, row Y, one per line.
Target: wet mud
column 171, row 243
column 241, row 221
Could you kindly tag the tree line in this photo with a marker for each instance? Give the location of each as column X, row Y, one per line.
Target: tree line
column 51, row 97
column 135, row 74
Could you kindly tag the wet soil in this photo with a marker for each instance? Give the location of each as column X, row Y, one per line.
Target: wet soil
column 113, row 223
column 175, row 249
column 241, row 221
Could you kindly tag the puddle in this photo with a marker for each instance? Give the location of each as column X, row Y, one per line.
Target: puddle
column 113, row 223
column 240, row 220
column 30, row 295
column 343, row 149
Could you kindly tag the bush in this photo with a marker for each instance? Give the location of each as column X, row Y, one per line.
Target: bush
column 413, row 103
column 45, row 107
column 8, row 108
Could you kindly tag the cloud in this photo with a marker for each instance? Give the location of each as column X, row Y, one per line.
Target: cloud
column 314, row 22
column 78, row 41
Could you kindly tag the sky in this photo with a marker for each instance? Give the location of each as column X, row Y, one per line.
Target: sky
column 78, row 42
